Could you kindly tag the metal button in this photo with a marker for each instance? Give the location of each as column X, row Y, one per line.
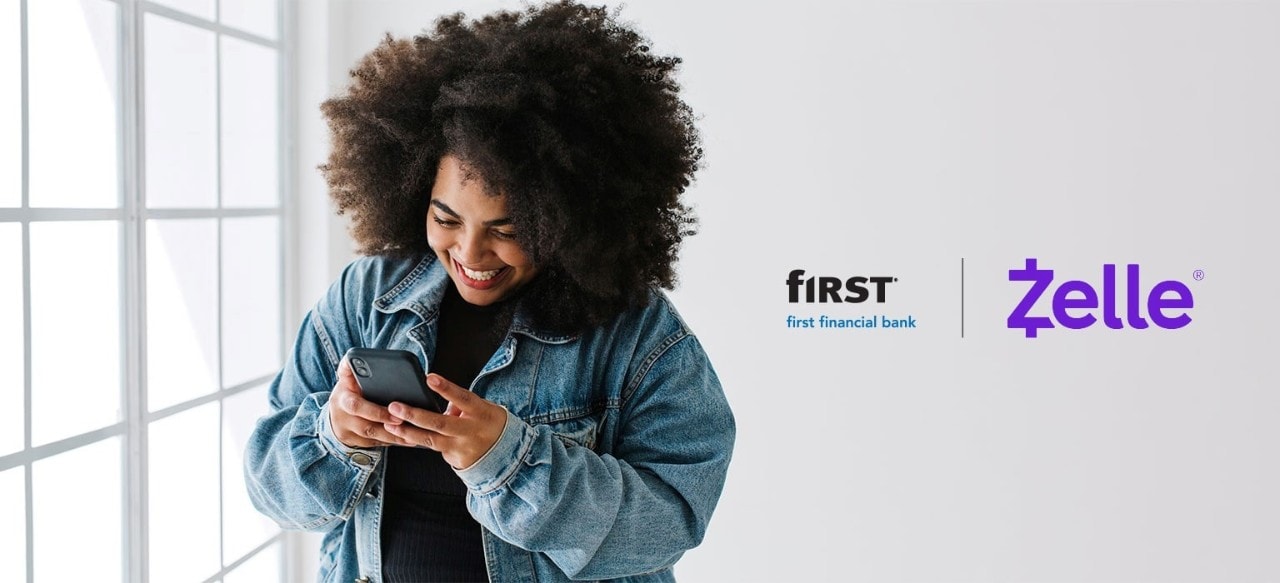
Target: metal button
column 363, row 579
column 361, row 459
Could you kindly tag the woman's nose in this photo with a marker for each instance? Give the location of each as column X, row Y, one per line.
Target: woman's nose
column 471, row 248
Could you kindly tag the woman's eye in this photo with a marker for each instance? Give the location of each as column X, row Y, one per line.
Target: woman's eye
column 504, row 235
column 444, row 223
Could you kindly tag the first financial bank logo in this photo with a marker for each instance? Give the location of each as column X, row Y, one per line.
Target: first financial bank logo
column 826, row 289
column 1168, row 302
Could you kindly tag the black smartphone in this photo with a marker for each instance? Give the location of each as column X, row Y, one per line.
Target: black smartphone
column 393, row 375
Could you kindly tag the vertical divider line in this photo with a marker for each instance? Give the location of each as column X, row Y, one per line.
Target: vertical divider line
column 25, row 226
column 133, row 89
column 962, row 297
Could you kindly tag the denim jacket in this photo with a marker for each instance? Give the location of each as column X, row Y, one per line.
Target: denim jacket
column 614, row 453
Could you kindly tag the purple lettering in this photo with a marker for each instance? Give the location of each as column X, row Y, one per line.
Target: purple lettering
column 1131, row 311
column 1109, row 297
column 1157, row 303
column 1073, row 302
column 1041, row 278
column 1062, row 303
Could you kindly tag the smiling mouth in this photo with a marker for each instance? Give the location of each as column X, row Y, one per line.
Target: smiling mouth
column 480, row 279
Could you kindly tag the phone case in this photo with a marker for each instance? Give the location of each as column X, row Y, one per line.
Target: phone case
column 393, row 375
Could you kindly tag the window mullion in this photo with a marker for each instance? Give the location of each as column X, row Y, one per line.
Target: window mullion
column 134, row 305
column 26, row 378
column 29, row 499
column 217, row 192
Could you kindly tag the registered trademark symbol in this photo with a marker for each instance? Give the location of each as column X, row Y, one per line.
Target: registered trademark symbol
column 1198, row 274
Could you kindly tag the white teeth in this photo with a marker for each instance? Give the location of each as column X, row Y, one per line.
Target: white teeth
column 480, row 275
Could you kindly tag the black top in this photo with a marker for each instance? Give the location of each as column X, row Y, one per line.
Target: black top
column 427, row 534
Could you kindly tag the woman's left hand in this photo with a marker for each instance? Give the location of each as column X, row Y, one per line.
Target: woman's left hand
column 463, row 434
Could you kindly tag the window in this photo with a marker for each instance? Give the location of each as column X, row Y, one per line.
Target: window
column 141, row 286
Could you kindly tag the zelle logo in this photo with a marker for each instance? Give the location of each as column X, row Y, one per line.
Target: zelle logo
column 828, row 288
column 1080, row 297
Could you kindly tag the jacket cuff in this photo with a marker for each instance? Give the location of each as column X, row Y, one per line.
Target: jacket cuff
column 495, row 468
column 363, row 459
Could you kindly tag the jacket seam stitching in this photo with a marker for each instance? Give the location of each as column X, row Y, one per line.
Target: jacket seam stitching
column 384, row 301
column 526, row 446
column 317, row 522
column 571, row 414
column 349, row 508
column 537, row 366
column 650, row 360
column 329, row 351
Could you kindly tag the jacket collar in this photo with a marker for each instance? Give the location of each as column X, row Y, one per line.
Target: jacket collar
column 422, row 290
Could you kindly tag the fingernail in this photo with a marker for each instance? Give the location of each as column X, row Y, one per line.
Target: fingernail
column 396, row 408
column 433, row 381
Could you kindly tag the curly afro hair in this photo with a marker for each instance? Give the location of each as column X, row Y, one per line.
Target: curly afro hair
column 561, row 109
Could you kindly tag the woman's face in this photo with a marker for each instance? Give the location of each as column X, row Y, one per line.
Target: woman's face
column 474, row 238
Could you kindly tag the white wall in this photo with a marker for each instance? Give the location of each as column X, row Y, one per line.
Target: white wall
column 849, row 138
column 317, row 241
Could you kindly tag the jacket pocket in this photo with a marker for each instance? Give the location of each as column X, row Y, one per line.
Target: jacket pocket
column 576, row 432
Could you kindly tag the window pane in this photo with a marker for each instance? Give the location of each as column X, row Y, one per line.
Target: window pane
column 183, row 467
column 77, row 513
column 13, row 525
column 73, row 52
column 181, row 109
column 244, row 528
column 12, row 344
column 250, row 298
column 75, row 328
column 10, row 105
column 264, row 566
column 182, row 310
column 249, row 128
column 201, row 8
column 255, row 16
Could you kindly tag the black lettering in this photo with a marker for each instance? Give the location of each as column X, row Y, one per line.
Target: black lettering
column 880, row 283
column 854, row 284
column 830, row 289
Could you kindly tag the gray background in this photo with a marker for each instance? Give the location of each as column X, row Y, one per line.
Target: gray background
column 894, row 139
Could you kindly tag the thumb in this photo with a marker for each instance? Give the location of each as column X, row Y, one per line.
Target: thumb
column 345, row 372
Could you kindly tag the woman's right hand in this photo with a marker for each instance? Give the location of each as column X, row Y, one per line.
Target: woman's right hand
column 358, row 422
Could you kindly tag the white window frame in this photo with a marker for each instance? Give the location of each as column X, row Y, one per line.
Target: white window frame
column 130, row 216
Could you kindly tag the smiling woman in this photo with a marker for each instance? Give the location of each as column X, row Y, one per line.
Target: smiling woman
column 516, row 183
column 477, row 242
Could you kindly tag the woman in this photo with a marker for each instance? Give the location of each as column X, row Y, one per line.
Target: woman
column 515, row 182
